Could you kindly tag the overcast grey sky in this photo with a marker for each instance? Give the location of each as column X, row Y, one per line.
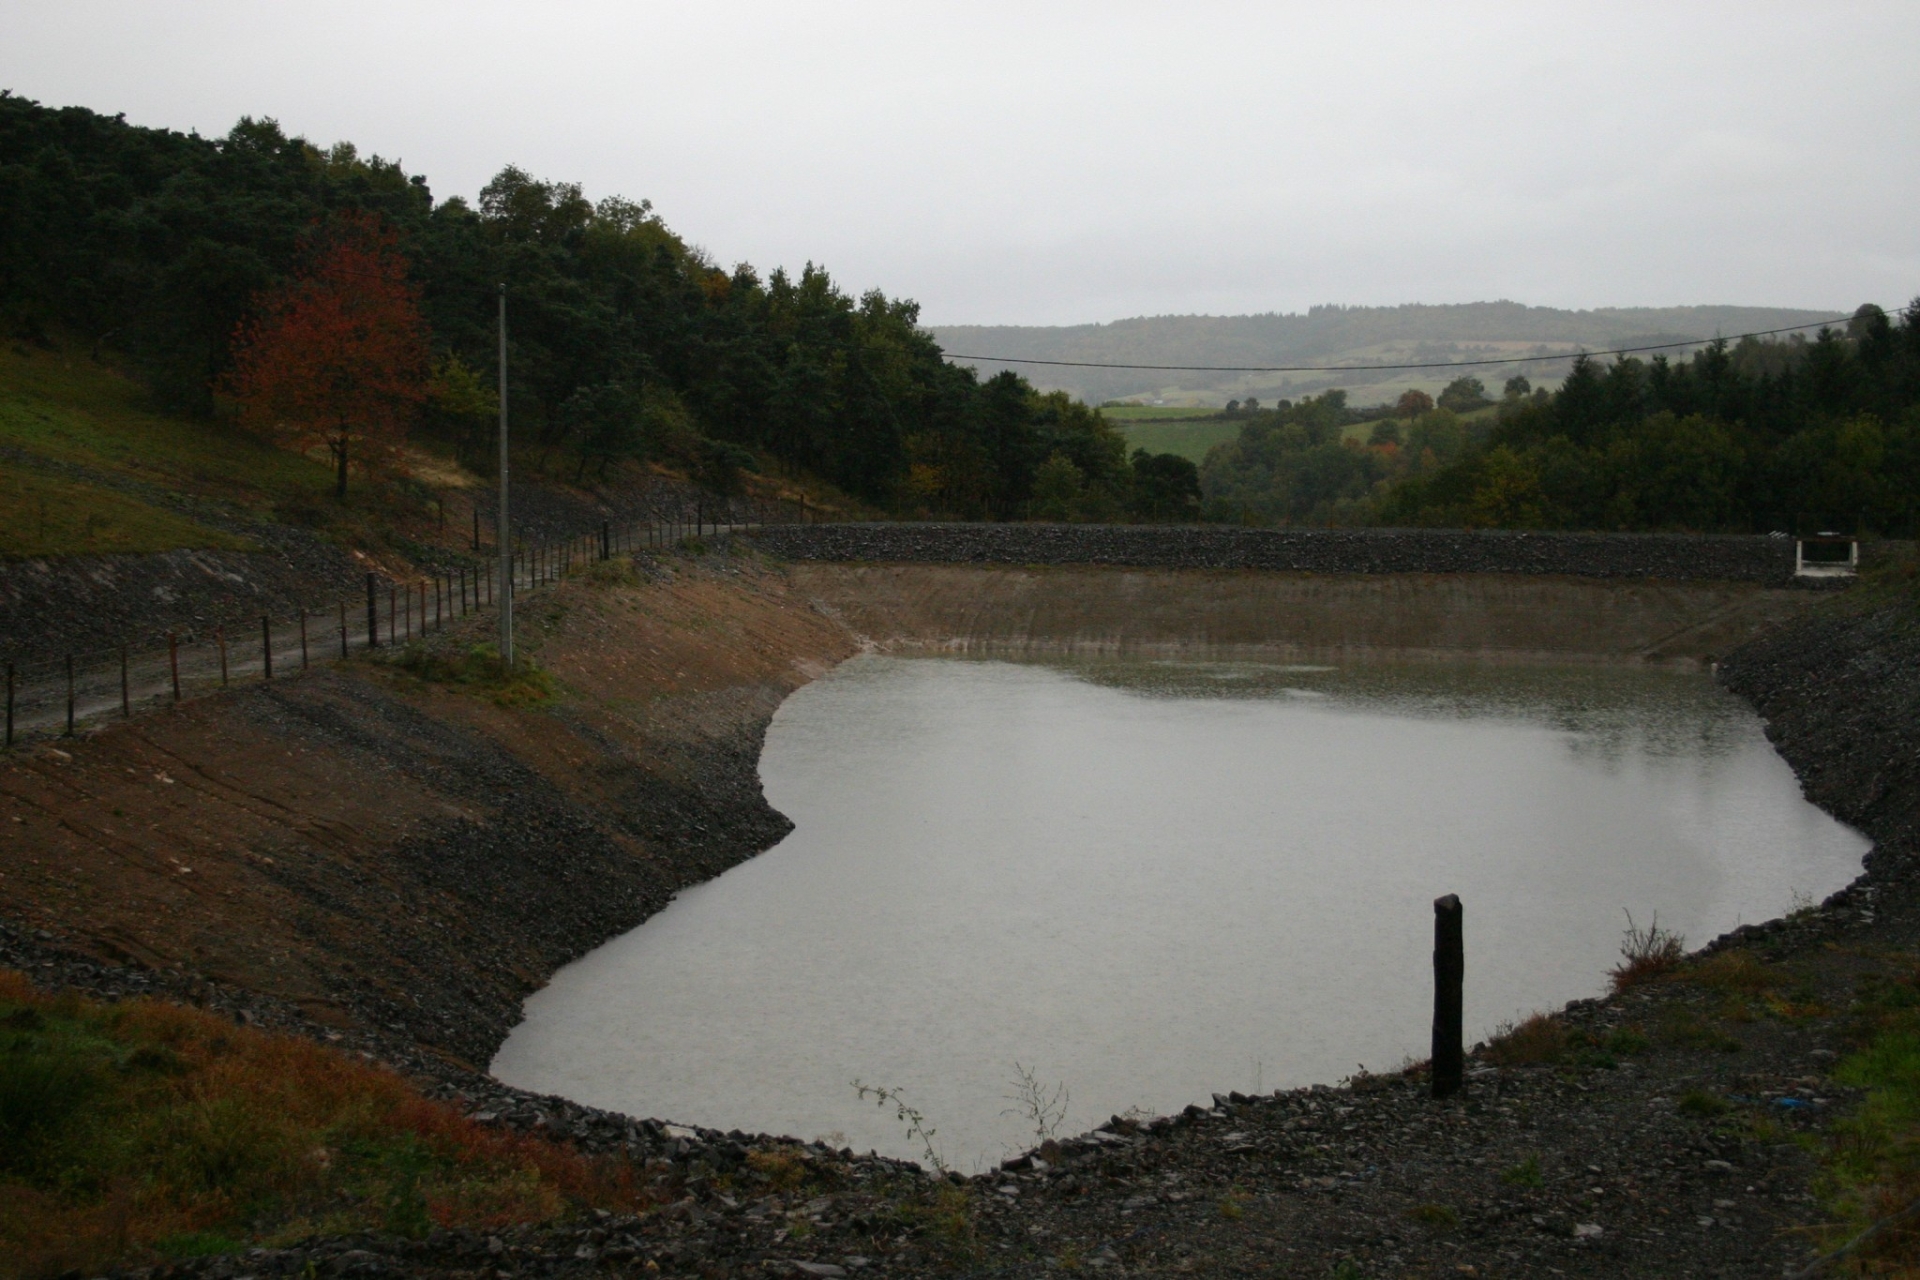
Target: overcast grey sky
column 1061, row 162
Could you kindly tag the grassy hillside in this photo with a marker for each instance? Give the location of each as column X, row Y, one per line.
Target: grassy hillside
column 1338, row 335
column 93, row 467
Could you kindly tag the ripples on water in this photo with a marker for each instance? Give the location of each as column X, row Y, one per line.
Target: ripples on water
column 1154, row 880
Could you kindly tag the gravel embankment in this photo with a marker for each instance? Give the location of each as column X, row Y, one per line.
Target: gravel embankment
column 1672, row 557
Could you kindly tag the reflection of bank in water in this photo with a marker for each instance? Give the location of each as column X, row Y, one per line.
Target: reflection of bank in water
column 1140, row 877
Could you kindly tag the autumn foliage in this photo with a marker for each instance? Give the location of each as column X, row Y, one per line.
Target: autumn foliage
column 338, row 355
column 137, row 1131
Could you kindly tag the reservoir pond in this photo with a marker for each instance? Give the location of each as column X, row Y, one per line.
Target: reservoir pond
column 1152, row 881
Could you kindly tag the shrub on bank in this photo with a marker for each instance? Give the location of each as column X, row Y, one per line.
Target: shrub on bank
column 478, row 669
column 142, row 1130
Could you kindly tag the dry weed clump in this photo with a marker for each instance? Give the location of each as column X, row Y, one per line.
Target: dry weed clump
column 140, row 1131
column 1534, row 1041
column 1737, row 972
column 1646, row 953
column 479, row 670
column 783, row 1167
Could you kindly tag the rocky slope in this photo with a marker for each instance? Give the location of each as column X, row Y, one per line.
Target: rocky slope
column 409, row 856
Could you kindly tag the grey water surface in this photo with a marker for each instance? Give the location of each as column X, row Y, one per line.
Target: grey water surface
column 1151, row 881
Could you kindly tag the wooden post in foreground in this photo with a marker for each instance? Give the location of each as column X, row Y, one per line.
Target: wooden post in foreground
column 1449, row 972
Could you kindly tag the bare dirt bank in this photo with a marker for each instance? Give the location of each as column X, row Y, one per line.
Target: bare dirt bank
column 402, row 856
column 1255, row 613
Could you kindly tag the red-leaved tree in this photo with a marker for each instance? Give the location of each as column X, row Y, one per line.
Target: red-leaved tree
column 338, row 355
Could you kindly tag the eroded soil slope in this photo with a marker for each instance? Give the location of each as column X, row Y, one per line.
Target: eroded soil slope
column 1226, row 612
column 392, row 853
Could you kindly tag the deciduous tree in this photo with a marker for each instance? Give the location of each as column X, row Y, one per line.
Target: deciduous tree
column 338, row 355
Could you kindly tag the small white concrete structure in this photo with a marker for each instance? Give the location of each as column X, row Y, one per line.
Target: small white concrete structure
column 1827, row 560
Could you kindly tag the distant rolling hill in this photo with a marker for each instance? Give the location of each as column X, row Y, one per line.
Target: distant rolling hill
column 1339, row 335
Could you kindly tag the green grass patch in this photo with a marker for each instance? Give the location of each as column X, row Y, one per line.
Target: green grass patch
column 478, row 670
column 43, row 515
column 60, row 405
column 1525, row 1174
column 1680, row 1027
column 139, row 1131
column 1127, row 414
column 1439, row 1216
column 1872, row 1160
column 1697, row 1102
column 1187, row 439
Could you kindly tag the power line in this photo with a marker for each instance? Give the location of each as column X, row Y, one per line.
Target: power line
column 1385, row 368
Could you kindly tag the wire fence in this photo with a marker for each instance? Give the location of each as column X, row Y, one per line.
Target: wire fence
column 60, row 696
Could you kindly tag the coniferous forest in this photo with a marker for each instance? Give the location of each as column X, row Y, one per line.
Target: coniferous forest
column 182, row 255
column 627, row 343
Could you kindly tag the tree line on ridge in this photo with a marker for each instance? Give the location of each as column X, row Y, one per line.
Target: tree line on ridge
column 255, row 271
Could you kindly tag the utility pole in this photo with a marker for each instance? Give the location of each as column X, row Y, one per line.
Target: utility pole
column 505, row 532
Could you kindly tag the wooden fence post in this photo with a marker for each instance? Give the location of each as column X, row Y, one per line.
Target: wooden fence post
column 126, row 697
column 343, row 629
column 266, row 647
column 173, row 662
column 69, row 695
column 220, row 638
column 1449, row 973
column 303, row 637
column 373, row 614
column 9, row 706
